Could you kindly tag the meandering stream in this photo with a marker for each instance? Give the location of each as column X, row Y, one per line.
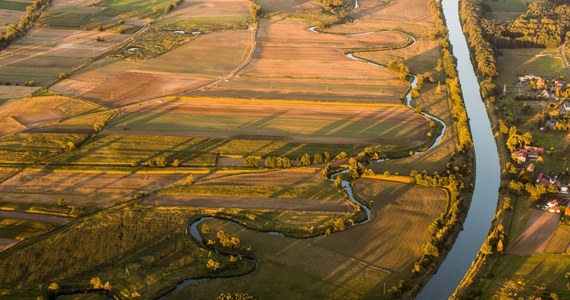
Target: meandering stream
column 346, row 186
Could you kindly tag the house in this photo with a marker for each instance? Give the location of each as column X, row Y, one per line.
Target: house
column 555, row 210
column 550, row 124
column 539, row 178
column 563, row 190
column 530, row 168
column 533, row 152
column 521, row 156
column 180, row 31
column 544, row 94
column 565, row 108
column 552, row 203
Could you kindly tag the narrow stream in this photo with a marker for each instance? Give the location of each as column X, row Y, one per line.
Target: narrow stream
column 194, row 231
column 487, row 175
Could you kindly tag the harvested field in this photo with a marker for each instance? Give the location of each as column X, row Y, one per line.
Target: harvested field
column 7, row 243
column 339, row 205
column 81, row 189
column 139, row 147
column 193, row 65
column 206, row 9
column 395, row 207
column 29, row 148
column 394, row 12
column 15, row 92
column 42, row 54
column 34, row 217
column 294, row 63
column 31, row 112
column 119, row 16
column 303, row 122
column 352, row 264
column 288, row 5
column 538, row 231
column 300, row 190
column 559, row 243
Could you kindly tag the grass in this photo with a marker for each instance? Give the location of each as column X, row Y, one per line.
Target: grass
column 107, row 13
column 13, row 5
column 59, row 210
column 23, row 229
column 517, row 276
column 152, row 244
column 506, row 9
column 352, row 264
column 125, row 149
column 30, row 148
column 558, row 243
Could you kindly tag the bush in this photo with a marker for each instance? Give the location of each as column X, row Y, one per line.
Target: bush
column 63, row 75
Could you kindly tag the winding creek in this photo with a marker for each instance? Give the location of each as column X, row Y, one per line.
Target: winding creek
column 346, row 186
column 487, row 176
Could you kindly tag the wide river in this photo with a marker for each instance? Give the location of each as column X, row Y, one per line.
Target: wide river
column 487, row 177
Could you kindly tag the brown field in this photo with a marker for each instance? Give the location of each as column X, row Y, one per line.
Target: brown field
column 24, row 113
column 292, row 62
column 559, row 242
column 80, row 189
column 338, row 205
column 201, row 9
column 15, row 92
column 288, row 5
column 394, row 12
column 294, row 189
column 193, row 65
column 353, row 264
column 7, row 243
column 42, row 54
column 538, row 231
column 34, row 217
column 316, row 122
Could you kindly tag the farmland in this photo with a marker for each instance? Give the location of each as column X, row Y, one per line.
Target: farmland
column 351, row 264
column 126, row 122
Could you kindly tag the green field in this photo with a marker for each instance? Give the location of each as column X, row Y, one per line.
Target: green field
column 111, row 15
column 525, row 276
column 516, row 62
column 108, row 243
column 14, row 5
column 23, row 229
column 29, row 148
column 506, row 9
column 126, row 149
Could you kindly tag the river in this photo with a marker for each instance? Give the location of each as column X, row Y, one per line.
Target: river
column 487, row 177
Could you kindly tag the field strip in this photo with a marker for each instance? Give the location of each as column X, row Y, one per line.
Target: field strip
column 385, row 270
column 5, row 244
column 34, row 217
column 340, row 205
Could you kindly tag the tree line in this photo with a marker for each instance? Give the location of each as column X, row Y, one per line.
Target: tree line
column 16, row 31
column 544, row 24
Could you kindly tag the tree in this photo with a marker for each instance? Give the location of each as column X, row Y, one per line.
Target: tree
column 212, row 265
column 63, row 76
column 500, row 246
column 318, row 159
column 60, row 202
column 507, row 203
column 189, row 180
column 251, row 161
column 53, row 287
column 205, row 228
column 96, row 283
column 305, row 160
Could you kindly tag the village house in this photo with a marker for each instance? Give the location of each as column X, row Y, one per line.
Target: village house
column 563, row 190
column 565, row 108
column 530, row 168
column 528, row 152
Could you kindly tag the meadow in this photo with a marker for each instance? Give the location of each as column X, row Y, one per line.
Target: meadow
column 350, row 264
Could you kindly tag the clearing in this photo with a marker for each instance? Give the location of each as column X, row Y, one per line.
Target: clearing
column 536, row 234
